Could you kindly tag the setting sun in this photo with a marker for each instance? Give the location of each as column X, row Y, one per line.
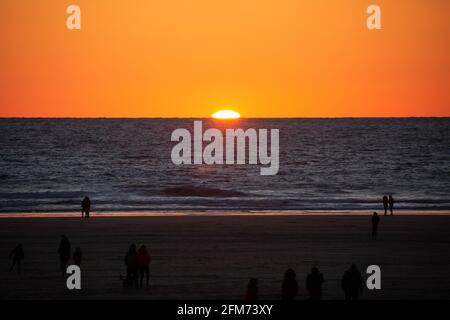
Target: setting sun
column 226, row 114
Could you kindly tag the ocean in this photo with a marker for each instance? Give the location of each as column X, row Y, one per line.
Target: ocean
column 49, row 165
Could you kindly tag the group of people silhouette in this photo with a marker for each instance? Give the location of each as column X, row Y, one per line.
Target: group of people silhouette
column 351, row 283
column 137, row 262
column 64, row 249
column 138, row 266
column 388, row 202
column 64, row 253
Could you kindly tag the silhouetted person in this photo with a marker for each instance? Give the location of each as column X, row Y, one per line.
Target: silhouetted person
column 352, row 283
column 144, row 260
column 131, row 261
column 17, row 256
column 64, row 253
column 289, row 288
column 77, row 257
column 385, row 204
column 85, row 207
column 375, row 222
column 391, row 204
column 314, row 282
column 252, row 290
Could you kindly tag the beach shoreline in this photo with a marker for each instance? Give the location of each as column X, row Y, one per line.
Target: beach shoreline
column 224, row 213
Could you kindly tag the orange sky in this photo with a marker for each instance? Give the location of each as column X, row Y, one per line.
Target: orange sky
column 188, row 58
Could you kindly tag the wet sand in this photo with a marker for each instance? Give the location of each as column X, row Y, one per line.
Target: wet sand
column 212, row 257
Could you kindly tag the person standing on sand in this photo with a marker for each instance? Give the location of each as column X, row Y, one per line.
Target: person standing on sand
column 17, row 255
column 64, row 253
column 375, row 222
column 391, row 204
column 144, row 260
column 385, row 204
column 314, row 282
column 85, row 207
column 252, row 290
column 352, row 283
column 131, row 261
column 289, row 289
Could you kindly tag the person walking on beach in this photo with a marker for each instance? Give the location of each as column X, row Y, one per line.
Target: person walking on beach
column 385, row 204
column 391, row 204
column 252, row 290
column 289, row 288
column 77, row 257
column 17, row 256
column 85, row 207
column 375, row 222
column 314, row 282
column 64, row 253
column 352, row 283
column 131, row 261
column 144, row 260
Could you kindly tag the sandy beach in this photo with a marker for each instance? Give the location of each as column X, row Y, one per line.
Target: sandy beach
column 213, row 257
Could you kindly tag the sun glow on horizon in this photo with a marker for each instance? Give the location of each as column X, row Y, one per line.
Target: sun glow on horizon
column 226, row 114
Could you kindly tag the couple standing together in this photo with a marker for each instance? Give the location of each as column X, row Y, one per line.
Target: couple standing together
column 388, row 203
column 137, row 262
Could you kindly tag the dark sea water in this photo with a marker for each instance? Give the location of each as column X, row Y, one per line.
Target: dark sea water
column 125, row 164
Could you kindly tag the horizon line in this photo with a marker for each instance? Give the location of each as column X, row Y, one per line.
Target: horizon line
column 347, row 117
